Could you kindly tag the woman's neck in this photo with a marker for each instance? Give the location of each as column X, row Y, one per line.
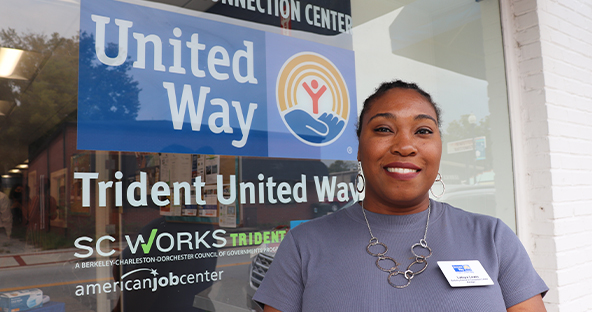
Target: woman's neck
column 396, row 208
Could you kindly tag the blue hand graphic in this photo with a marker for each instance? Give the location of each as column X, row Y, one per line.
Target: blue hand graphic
column 334, row 123
column 320, row 130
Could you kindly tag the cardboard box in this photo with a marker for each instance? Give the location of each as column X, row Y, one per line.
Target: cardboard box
column 21, row 300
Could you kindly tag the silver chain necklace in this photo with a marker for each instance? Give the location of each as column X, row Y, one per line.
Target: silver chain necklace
column 394, row 270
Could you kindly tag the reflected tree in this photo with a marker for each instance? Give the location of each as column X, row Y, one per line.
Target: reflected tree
column 40, row 101
column 341, row 166
column 461, row 129
column 109, row 93
column 48, row 93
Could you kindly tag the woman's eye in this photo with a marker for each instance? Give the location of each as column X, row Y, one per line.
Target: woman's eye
column 382, row 129
column 424, row 131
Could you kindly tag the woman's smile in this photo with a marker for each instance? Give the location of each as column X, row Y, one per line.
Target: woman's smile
column 402, row 171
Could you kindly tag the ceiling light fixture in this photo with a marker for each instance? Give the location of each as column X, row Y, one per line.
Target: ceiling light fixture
column 9, row 59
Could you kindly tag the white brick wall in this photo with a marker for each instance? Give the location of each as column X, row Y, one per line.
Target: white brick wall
column 548, row 45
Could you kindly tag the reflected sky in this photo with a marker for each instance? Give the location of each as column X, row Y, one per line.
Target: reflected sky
column 41, row 16
column 456, row 93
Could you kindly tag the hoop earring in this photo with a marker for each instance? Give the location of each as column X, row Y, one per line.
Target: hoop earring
column 439, row 179
column 360, row 178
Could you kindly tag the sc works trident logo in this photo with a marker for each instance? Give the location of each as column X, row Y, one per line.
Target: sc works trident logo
column 312, row 99
column 164, row 242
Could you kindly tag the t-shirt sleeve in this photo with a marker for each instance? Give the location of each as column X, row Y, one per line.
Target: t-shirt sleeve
column 283, row 284
column 517, row 277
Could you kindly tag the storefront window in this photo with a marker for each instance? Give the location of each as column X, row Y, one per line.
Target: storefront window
column 119, row 205
column 453, row 49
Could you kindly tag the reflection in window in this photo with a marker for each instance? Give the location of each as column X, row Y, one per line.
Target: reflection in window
column 453, row 50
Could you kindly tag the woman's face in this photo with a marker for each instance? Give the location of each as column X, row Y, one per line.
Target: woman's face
column 400, row 148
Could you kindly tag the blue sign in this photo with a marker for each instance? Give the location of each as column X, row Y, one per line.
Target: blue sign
column 480, row 148
column 462, row 268
column 157, row 81
column 295, row 223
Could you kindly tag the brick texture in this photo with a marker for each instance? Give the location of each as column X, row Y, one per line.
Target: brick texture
column 550, row 43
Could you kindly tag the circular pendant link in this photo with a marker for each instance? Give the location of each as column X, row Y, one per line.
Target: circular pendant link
column 418, row 261
column 395, row 267
column 395, row 285
column 409, row 274
column 425, row 247
column 376, row 243
column 423, row 243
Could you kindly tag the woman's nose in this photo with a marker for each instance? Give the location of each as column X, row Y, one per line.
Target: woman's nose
column 403, row 145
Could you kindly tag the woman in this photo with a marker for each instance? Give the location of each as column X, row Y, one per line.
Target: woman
column 5, row 215
column 382, row 255
column 16, row 198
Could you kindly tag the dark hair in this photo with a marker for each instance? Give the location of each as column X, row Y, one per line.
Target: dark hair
column 386, row 86
column 13, row 194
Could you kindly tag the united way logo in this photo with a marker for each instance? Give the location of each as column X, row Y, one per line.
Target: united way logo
column 462, row 268
column 313, row 99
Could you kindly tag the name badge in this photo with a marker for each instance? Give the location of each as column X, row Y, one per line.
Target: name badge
column 465, row 273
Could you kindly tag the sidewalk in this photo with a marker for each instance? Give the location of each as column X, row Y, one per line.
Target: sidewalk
column 16, row 253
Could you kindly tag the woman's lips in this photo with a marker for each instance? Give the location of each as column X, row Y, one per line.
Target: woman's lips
column 402, row 171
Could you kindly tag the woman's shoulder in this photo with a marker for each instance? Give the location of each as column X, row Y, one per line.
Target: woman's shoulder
column 455, row 215
column 471, row 226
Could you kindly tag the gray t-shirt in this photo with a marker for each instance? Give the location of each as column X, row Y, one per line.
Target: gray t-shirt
column 322, row 265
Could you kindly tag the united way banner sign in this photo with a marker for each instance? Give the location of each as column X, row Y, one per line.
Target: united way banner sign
column 151, row 80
